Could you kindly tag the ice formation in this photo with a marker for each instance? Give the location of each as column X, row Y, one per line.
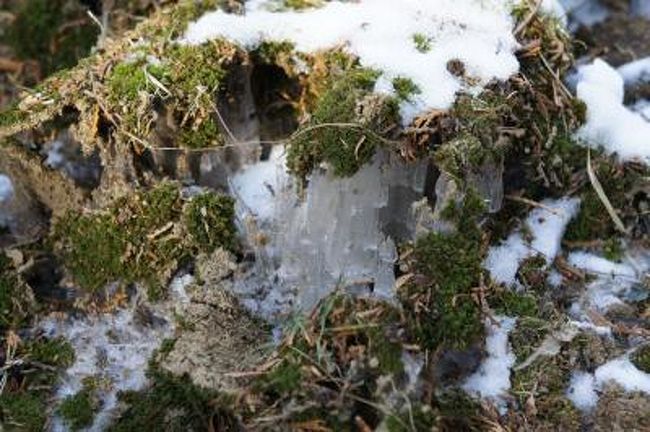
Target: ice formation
column 479, row 33
column 492, row 379
column 340, row 234
column 547, row 225
column 611, row 124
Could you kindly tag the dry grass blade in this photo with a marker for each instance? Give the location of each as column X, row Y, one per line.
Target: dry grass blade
column 595, row 183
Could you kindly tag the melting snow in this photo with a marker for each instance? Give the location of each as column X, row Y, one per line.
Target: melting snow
column 479, row 33
column 547, row 227
column 611, row 124
column 492, row 379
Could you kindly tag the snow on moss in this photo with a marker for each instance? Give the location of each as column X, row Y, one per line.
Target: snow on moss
column 476, row 32
column 546, row 226
column 611, row 124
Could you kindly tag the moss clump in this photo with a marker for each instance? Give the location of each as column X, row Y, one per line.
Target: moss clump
column 23, row 411
column 510, row 303
column 201, row 135
column 12, row 115
column 129, row 78
column 193, row 68
column 422, row 42
column 641, row 358
column 446, row 313
column 78, row 411
column 209, row 220
column 55, row 352
column 346, row 126
column 24, row 402
column 342, row 353
column 56, row 33
column 172, row 404
column 142, row 237
column 405, row 88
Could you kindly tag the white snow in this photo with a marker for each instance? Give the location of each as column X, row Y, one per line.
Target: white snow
column 582, row 390
column 492, row 379
column 6, row 188
column 638, row 70
column 584, row 387
column 112, row 347
column 547, row 228
column 477, row 32
column 613, row 282
column 554, row 8
column 623, row 372
column 611, row 124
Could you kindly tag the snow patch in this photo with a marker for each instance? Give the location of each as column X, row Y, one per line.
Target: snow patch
column 6, row 188
column 611, row 124
column 547, row 226
column 623, row 372
column 492, row 379
column 479, row 33
column 582, row 390
column 638, row 70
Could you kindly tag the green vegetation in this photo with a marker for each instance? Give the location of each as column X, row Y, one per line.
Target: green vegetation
column 209, row 220
column 448, row 314
column 171, row 404
column 422, row 42
column 405, row 88
column 55, row 33
column 24, row 402
column 141, row 237
column 347, row 125
column 641, row 358
column 79, row 410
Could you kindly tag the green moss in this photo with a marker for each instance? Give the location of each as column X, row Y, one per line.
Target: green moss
column 23, row 411
column 422, row 42
column 284, row 378
column 141, row 238
column 196, row 67
column 12, row 115
column 128, row 79
column 641, row 358
column 613, row 249
column 202, row 135
column 57, row 352
column 171, row 404
column 209, row 219
column 56, row 33
column 527, row 335
column 78, row 411
column 405, row 88
column 301, row 4
column 270, row 52
column 387, row 352
column 510, row 303
column 345, row 128
column 452, row 266
column 461, row 155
